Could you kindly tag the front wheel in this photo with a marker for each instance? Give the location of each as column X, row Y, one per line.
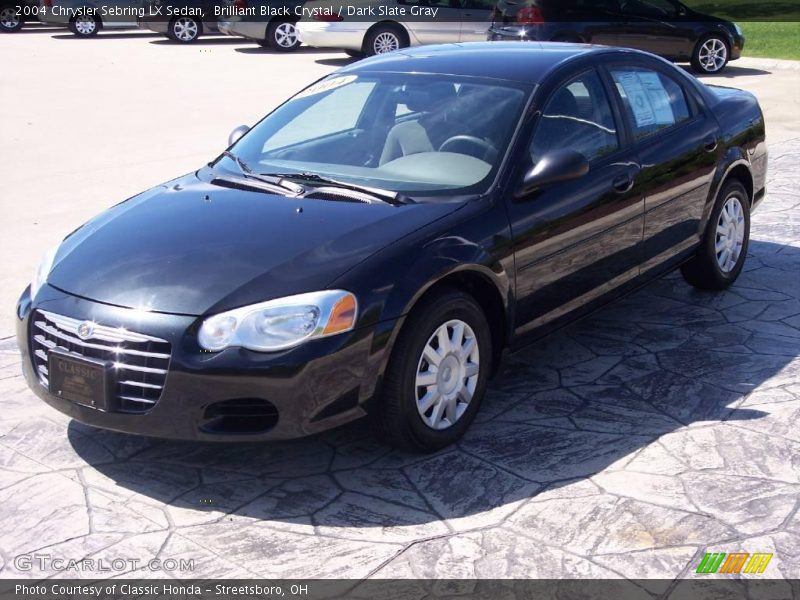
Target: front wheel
column 437, row 374
column 383, row 39
column 282, row 36
column 185, row 30
column 84, row 26
column 10, row 20
column 710, row 55
column 721, row 255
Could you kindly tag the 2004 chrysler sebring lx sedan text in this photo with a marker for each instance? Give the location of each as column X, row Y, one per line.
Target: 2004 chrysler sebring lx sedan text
column 376, row 243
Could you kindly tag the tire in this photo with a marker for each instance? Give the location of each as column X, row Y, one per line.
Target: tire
column 397, row 418
column 354, row 53
column 282, row 36
column 385, row 38
column 10, row 21
column 84, row 26
column 185, row 30
column 709, row 269
column 711, row 54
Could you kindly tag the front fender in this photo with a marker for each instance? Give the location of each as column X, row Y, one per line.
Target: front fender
column 474, row 242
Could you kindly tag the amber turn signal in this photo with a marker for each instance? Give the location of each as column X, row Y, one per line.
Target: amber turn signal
column 343, row 315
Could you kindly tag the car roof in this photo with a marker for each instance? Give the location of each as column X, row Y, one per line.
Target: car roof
column 527, row 62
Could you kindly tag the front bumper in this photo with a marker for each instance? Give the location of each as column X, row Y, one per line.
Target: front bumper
column 252, row 30
column 341, row 35
column 316, row 386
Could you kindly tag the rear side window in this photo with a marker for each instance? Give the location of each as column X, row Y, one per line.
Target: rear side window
column 577, row 116
column 652, row 100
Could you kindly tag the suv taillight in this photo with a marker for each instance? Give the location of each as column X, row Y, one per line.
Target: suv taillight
column 48, row 3
column 321, row 16
column 530, row 15
column 240, row 4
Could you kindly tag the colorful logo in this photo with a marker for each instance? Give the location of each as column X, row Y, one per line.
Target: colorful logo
column 735, row 562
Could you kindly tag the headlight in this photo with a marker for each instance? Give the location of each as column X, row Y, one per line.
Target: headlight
column 43, row 270
column 282, row 323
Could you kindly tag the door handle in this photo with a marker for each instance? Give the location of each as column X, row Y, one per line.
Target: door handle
column 623, row 183
column 710, row 144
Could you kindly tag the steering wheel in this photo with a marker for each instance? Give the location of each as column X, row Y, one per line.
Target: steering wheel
column 487, row 149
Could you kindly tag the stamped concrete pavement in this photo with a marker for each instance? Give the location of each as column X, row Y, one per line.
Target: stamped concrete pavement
column 662, row 427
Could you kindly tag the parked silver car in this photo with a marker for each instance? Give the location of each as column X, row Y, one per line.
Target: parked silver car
column 85, row 18
column 370, row 27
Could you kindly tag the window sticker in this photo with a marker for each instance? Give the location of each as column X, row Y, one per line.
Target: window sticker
column 326, row 85
column 648, row 98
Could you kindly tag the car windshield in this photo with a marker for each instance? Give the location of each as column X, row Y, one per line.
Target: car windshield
column 412, row 134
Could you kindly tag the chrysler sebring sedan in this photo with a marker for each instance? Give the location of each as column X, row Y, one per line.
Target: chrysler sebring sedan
column 375, row 244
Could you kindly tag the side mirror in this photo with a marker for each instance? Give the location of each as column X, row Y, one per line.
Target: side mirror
column 553, row 167
column 237, row 133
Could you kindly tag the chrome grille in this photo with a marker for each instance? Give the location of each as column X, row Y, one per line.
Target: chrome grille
column 140, row 362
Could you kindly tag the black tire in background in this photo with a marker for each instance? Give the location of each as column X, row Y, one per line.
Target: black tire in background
column 711, row 54
column 185, row 29
column 704, row 270
column 10, row 20
column 282, row 36
column 84, row 26
column 385, row 37
column 398, row 420
column 354, row 53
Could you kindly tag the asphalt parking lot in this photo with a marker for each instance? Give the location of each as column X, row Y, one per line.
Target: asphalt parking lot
column 663, row 427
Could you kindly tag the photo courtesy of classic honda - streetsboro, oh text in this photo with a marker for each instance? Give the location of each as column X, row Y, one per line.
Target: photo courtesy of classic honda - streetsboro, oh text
column 379, row 261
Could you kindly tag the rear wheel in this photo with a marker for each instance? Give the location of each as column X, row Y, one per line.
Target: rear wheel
column 710, row 55
column 354, row 53
column 185, row 29
column 721, row 255
column 437, row 374
column 10, row 20
column 282, row 36
column 385, row 38
column 84, row 26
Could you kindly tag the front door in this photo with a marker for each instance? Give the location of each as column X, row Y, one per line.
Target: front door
column 578, row 240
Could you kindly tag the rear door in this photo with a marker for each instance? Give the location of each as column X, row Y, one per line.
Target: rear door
column 578, row 240
column 676, row 142
column 651, row 25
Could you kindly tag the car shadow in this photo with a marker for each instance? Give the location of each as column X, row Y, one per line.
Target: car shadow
column 666, row 358
column 256, row 49
column 731, row 71
column 337, row 62
column 208, row 39
column 104, row 35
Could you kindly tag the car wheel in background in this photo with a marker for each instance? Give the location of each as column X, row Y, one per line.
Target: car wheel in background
column 710, row 55
column 722, row 253
column 185, row 29
column 282, row 36
column 437, row 374
column 84, row 25
column 385, row 38
column 9, row 19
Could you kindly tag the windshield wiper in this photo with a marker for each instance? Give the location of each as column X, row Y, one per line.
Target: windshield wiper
column 381, row 194
column 277, row 181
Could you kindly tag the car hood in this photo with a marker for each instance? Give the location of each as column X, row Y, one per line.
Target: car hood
column 194, row 247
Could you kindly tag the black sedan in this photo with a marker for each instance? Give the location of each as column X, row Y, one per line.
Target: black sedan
column 664, row 27
column 376, row 243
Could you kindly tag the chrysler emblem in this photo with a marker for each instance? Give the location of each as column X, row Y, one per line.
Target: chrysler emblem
column 85, row 330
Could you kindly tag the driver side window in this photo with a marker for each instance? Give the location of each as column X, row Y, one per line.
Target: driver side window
column 577, row 117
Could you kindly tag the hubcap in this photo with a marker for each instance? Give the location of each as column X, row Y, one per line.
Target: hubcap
column 713, row 55
column 185, row 29
column 386, row 42
column 730, row 235
column 85, row 25
column 286, row 35
column 447, row 374
column 9, row 18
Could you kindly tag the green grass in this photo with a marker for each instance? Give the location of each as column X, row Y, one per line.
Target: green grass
column 772, row 27
column 772, row 40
